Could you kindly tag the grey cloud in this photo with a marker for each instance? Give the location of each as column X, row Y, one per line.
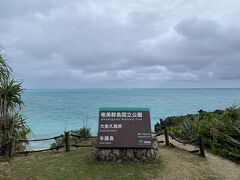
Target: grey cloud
column 196, row 29
column 142, row 43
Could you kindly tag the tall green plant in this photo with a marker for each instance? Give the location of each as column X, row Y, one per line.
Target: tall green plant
column 5, row 70
column 11, row 91
column 12, row 122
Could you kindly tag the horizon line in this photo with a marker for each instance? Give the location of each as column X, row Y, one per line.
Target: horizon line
column 133, row 88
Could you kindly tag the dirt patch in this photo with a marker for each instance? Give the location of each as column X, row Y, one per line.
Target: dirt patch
column 181, row 163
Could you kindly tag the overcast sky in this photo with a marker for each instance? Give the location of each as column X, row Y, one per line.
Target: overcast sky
column 122, row 43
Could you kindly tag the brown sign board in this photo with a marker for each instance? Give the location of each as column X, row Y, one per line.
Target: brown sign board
column 124, row 128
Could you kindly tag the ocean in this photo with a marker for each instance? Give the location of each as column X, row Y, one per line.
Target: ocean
column 51, row 112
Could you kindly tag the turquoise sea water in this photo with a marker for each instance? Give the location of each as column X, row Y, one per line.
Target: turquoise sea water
column 50, row 112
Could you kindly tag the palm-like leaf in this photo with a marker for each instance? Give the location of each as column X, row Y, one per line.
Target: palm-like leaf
column 5, row 70
column 10, row 92
column 12, row 124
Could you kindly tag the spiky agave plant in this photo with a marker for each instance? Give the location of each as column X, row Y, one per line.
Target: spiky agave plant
column 188, row 130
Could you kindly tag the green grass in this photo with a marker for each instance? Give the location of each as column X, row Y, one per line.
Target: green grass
column 173, row 164
column 76, row 164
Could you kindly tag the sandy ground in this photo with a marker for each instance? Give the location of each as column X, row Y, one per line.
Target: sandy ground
column 183, row 164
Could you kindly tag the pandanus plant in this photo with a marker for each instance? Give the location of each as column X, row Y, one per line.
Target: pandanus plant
column 12, row 123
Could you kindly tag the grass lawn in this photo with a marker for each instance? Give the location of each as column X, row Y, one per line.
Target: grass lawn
column 73, row 165
column 173, row 164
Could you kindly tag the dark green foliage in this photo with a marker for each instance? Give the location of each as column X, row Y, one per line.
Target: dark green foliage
column 187, row 130
column 220, row 151
column 12, row 123
column 220, row 130
column 84, row 133
column 11, row 91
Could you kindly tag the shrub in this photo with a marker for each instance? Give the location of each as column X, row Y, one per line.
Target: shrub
column 220, row 130
column 84, row 133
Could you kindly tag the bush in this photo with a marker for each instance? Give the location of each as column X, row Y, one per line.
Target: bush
column 84, row 133
column 220, row 130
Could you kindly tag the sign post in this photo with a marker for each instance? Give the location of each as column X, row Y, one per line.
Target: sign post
column 124, row 128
